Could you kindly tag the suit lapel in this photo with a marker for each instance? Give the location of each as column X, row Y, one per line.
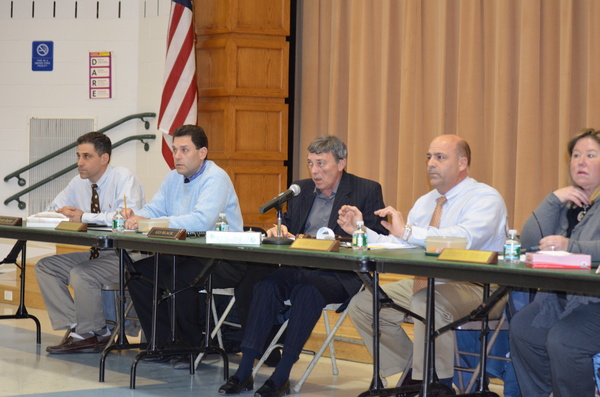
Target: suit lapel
column 305, row 202
column 342, row 197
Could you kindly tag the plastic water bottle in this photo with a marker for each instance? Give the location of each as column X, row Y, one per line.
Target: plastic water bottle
column 118, row 222
column 222, row 225
column 512, row 247
column 359, row 237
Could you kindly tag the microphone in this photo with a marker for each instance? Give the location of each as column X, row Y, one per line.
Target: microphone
column 539, row 226
column 281, row 198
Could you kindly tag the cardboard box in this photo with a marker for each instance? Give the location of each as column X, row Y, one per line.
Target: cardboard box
column 558, row 260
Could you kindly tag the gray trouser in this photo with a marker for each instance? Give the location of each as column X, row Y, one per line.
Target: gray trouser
column 556, row 358
column 453, row 300
column 86, row 277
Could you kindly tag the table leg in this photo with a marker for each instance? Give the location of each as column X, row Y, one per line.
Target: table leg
column 120, row 342
column 429, row 366
column 152, row 350
column 20, row 247
column 376, row 382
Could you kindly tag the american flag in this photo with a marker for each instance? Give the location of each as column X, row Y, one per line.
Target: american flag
column 179, row 100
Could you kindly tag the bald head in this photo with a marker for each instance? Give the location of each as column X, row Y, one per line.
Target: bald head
column 448, row 160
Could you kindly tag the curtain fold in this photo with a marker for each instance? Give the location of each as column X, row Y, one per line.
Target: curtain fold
column 515, row 78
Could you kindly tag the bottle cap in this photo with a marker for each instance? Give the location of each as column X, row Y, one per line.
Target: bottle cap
column 221, row 215
column 360, row 223
column 512, row 231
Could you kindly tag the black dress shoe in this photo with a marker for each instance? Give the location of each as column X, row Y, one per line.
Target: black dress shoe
column 235, row 386
column 71, row 345
column 270, row 390
column 157, row 359
column 181, row 362
column 410, row 387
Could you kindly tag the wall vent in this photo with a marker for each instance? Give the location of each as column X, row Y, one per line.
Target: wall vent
column 45, row 136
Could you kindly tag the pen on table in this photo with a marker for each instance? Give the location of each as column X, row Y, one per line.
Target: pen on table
column 534, row 248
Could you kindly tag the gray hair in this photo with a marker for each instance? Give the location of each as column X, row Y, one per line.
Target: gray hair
column 329, row 144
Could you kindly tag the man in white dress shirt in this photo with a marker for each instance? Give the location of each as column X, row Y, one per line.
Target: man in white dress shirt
column 86, row 272
column 469, row 209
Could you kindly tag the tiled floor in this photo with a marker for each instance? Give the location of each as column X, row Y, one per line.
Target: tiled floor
column 27, row 370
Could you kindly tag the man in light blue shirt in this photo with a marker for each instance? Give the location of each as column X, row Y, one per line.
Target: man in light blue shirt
column 191, row 197
column 472, row 210
column 83, row 312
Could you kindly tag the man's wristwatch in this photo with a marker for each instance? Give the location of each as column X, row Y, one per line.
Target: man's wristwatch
column 407, row 232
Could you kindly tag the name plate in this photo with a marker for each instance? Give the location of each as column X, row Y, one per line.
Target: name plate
column 233, row 238
column 167, row 233
column 11, row 221
column 471, row 256
column 316, row 245
column 72, row 226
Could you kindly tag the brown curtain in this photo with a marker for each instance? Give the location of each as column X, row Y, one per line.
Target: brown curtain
column 515, row 78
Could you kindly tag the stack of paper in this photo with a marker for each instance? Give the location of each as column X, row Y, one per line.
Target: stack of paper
column 558, row 260
column 46, row 219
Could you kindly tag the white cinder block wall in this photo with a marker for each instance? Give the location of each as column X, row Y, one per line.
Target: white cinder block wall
column 133, row 30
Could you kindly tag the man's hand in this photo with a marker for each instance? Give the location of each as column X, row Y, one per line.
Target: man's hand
column 127, row 213
column 131, row 220
column 272, row 232
column 398, row 224
column 131, row 223
column 348, row 215
column 72, row 213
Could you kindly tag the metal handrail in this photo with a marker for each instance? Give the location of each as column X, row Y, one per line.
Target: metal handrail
column 22, row 181
column 22, row 205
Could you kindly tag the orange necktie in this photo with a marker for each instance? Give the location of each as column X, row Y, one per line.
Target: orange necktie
column 421, row 282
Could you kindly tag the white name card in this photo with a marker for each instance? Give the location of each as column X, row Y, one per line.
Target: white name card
column 233, row 238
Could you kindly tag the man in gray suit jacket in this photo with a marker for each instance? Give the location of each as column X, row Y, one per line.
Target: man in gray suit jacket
column 309, row 290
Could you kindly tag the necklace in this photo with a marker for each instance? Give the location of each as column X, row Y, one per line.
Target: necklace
column 582, row 213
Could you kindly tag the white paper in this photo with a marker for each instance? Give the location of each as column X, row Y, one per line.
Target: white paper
column 46, row 219
column 387, row 246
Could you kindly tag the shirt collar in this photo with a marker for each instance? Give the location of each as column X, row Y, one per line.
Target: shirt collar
column 103, row 178
column 456, row 190
column 317, row 192
column 196, row 175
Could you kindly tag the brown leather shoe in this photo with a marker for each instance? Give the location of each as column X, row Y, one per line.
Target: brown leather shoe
column 102, row 342
column 87, row 345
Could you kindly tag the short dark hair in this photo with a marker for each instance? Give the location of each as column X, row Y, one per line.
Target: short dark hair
column 101, row 142
column 585, row 133
column 329, row 144
column 195, row 132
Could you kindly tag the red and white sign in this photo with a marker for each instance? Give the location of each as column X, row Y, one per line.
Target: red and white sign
column 100, row 75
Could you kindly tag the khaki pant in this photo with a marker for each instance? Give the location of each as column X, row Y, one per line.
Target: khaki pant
column 453, row 300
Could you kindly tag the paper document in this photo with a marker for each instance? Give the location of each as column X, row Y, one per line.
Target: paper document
column 46, row 219
column 387, row 246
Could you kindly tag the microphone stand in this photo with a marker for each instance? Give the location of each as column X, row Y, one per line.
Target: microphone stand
column 278, row 240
